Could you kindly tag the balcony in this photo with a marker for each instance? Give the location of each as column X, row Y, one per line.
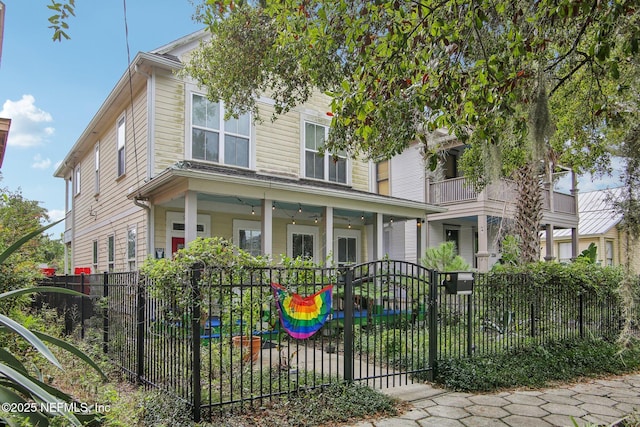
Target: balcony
column 455, row 191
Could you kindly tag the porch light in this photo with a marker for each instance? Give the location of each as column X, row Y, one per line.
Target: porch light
column 293, row 221
column 362, row 217
column 316, row 220
column 273, row 206
column 299, row 208
column 349, row 226
column 253, row 212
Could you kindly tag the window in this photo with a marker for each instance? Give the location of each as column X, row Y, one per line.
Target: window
column 564, row 252
column 131, row 248
column 382, row 177
column 302, row 241
column 76, row 180
column 346, row 247
column 214, row 139
column 248, row 235
column 609, row 252
column 95, row 256
column 121, row 146
column 111, row 254
column 96, row 156
column 317, row 165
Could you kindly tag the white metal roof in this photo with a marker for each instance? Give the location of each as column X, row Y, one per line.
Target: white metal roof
column 596, row 212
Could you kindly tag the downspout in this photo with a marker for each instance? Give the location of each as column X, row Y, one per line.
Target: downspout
column 143, row 203
column 139, row 200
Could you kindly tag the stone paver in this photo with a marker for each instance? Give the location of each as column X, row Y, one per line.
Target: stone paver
column 596, row 402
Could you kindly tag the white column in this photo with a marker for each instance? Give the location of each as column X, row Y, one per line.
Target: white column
column 328, row 234
column 378, row 237
column 482, row 257
column 266, row 234
column 190, row 217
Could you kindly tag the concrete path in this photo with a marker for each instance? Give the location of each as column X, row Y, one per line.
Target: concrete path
column 593, row 402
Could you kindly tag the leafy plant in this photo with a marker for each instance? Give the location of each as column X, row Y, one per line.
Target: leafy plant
column 590, row 254
column 444, row 258
column 39, row 401
column 510, row 250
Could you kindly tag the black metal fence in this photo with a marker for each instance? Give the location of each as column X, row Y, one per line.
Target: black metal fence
column 385, row 323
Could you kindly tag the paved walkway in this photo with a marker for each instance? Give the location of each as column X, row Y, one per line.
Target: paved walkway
column 593, row 402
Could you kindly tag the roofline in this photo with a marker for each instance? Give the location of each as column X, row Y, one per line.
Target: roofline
column 142, row 57
column 169, row 174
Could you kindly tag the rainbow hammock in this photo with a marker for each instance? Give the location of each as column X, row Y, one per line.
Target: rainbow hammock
column 302, row 316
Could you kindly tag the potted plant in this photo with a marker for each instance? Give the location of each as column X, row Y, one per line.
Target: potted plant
column 246, row 307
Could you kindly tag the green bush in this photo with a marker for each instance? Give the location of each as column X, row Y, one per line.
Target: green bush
column 537, row 366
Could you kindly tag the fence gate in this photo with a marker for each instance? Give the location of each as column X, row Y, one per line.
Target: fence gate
column 384, row 310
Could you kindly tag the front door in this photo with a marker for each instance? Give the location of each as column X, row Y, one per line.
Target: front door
column 176, row 243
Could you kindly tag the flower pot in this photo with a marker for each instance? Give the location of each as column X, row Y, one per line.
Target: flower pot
column 250, row 346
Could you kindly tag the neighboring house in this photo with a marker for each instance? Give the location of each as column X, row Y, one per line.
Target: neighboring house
column 158, row 166
column 476, row 221
column 599, row 224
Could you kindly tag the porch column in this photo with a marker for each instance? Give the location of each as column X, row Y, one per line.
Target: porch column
column 266, row 228
column 328, row 235
column 549, row 256
column 574, row 243
column 482, row 257
column 378, row 236
column 190, row 217
column 419, row 241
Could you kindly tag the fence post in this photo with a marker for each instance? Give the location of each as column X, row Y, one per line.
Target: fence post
column 581, row 315
column 105, row 312
column 195, row 340
column 433, row 322
column 140, row 330
column 82, row 276
column 470, row 324
column 348, row 324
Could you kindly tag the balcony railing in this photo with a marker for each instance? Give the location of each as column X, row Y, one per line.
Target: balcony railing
column 456, row 191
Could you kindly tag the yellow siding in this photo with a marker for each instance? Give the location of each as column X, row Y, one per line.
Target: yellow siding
column 169, row 122
column 110, row 212
column 278, row 143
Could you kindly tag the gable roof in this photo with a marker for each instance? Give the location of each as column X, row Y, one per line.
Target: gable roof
column 596, row 213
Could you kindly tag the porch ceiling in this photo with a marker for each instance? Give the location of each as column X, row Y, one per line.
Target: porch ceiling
column 242, row 187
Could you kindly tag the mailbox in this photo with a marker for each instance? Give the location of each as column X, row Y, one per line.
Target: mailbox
column 459, row 283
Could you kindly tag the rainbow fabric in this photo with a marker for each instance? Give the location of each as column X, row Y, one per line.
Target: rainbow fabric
column 302, row 316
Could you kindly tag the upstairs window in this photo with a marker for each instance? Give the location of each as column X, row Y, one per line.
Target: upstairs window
column 323, row 166
column 214, row 139
column 76, row 180
column 121, row 146
column 96, row 185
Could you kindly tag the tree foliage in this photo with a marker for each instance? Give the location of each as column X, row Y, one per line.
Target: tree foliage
column 63, row 10
column 398, row 70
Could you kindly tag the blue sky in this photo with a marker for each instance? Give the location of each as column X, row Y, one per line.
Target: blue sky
column 51, row 90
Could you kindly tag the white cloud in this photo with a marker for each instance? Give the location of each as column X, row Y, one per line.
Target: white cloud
column 56, row 214
column 29, row 124
column 588, row 182
column 40, row 163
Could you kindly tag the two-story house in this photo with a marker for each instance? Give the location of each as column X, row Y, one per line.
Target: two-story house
column 600, row 225
column 159, row 165
column 476, row 221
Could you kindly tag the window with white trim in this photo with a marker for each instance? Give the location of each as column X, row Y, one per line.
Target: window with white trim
column 564, row 252
column 95, row 256
column 96, row 158
column 302, row 241
column 111, row 253
column 608, row 245
column 347, row 247
column 120, row 146
column 248, row 235
column 324, row 166
column 132, row 244
column 76, row 180
column 214, row 139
